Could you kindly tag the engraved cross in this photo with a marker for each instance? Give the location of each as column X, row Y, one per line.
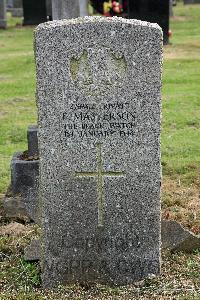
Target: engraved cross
column 100, row 174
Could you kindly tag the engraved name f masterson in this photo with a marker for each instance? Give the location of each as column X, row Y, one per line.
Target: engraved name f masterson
column 100, row 174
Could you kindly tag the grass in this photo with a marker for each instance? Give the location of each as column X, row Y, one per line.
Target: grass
column 180, row 277
column 17, row 90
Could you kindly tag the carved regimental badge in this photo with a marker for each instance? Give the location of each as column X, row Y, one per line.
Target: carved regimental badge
column 97, row 70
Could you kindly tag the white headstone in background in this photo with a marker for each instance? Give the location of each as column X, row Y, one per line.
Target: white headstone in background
column 65, row 9
column 83, row 8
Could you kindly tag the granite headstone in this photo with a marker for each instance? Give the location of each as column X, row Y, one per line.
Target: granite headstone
column 98, row 91
column 3, row 20
column 65, row 9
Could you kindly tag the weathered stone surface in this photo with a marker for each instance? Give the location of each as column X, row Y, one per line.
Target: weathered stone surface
column 177, row 238
column 22, row 197
column 23, row 174
column 31, row 203
column 3, row 21
column 98, row 91
column 65, row 9
column 32, row 140
column 15, row 208
column 33, row 251
column 24, row 207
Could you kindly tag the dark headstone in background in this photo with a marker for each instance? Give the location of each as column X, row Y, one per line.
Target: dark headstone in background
column 154, row 11
column 32, row 140
column 34, row 12
column 98, row 5
column 49, row 9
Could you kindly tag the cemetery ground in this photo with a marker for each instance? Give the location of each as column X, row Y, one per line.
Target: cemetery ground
column 180, row 277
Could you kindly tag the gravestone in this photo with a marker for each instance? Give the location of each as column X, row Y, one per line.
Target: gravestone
column 3, row 21
column 98, row 91
column 17, row 10
column 154, row 11
column 9, row 5
column 171, row 13
column 49, row 9
column 83, row 4
column 65, row 9
column 22, row 195
column 32, row 141
column 34, row 12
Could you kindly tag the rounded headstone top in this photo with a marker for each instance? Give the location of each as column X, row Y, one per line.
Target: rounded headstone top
column 96, row 19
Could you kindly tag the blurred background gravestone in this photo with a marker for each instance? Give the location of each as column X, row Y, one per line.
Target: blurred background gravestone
column 154, row 11
column 65, row 9
column 49, row 9
column 17, row 10
column 83, row 8
column 9, row 5
column 35, row 12
column 3, row 20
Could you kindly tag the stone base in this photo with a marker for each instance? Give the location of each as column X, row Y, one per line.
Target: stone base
column 176, row 238
column 3, row 24
column 15, row 208
column 25, row 208
column 32, row 252
column 23, row 174
column 22, row 196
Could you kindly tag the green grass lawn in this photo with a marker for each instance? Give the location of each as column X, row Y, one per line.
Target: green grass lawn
column 181, row 94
